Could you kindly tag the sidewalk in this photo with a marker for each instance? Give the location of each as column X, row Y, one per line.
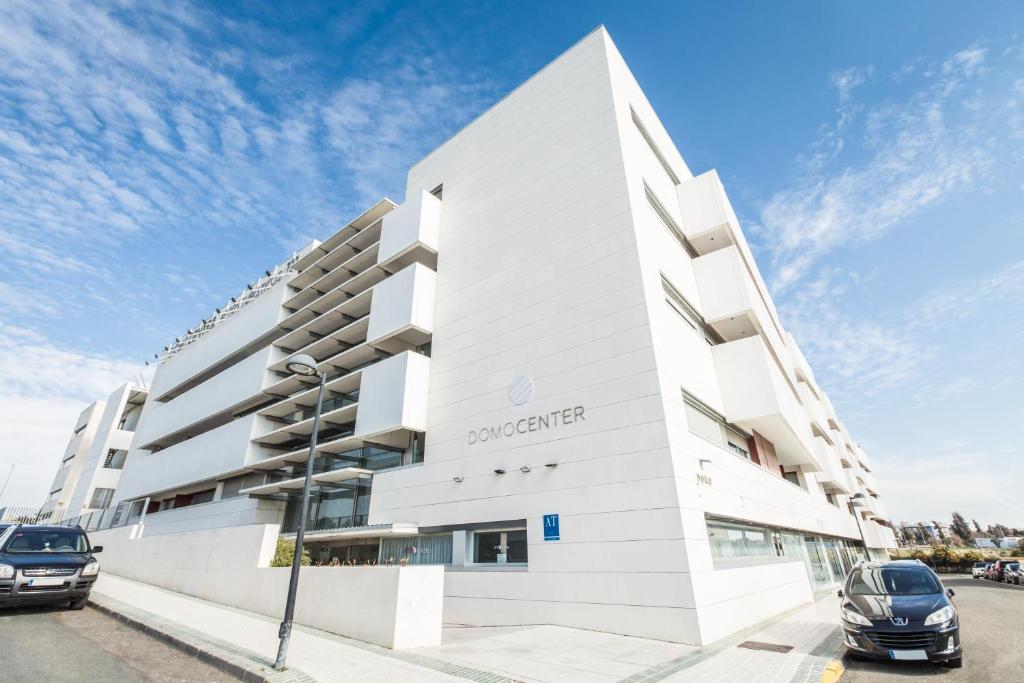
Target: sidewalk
column 531, row 654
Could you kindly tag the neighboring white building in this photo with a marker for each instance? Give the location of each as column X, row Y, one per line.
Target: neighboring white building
column 96, row 454
column 554, row 368
column 75, row 455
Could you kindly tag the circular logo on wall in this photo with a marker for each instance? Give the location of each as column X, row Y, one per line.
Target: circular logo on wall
column 520, row 391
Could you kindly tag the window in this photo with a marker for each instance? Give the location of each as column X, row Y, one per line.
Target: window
column 707, row 424
column 203, row 496
column 792, row 477
column 101, row 498
column 115, row 459
column 130, row 418
column 670, row 224
column 682, row 308
column 654, row 148
column 739, row 450
column 730, row 541
column 233, row 486
column 432, row 549
column 500, row 547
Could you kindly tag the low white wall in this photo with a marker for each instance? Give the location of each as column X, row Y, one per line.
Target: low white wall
column 729, row 600
column 396, row 607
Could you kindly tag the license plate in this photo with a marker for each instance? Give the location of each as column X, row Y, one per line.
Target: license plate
column 909, row 655
column 47, row 581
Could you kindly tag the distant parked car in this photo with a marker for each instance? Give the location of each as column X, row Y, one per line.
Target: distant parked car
column 997, row 570
column 46, row 564
column 978, row 570
column 1011, row 573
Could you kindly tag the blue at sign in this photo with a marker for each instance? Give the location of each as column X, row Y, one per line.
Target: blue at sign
column 551, row 528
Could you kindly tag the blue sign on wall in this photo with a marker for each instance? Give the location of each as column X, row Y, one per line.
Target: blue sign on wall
column 551, row 528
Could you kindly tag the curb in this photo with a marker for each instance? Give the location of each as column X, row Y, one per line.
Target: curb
column 833, row 671
column 241, row 664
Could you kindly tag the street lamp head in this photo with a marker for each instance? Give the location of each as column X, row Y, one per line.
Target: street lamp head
column 301, row 364
column 857, row 499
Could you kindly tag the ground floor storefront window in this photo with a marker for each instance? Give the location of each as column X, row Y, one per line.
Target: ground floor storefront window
column 827, row 559
column 505, row 546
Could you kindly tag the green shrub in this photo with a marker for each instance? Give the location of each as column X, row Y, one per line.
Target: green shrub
column 284, row 554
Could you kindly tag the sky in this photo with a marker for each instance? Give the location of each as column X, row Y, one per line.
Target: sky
column 157, row 157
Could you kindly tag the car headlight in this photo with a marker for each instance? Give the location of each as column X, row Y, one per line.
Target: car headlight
column 855, row 618
column 6, row 571
column 940, row 616
column 91, row 569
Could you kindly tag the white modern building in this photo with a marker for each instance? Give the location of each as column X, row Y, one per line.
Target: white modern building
column 91, row 465
column 554, row 369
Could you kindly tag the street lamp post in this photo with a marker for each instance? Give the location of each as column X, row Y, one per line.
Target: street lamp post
column 303, row 366
column 857, row 501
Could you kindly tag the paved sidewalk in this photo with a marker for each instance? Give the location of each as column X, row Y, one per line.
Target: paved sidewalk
column 531, row 654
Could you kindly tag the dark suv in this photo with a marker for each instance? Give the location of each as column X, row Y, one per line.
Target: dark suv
column 899, row 611
column 46, row 564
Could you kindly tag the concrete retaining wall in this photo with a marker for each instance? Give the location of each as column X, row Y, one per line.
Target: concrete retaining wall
column 396, row 607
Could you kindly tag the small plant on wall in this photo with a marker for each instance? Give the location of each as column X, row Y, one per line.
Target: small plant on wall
column 284, row 553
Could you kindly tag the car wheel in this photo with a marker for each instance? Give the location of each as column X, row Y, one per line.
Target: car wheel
column 79, row 603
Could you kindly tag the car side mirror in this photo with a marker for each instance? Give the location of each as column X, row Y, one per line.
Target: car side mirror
column 950, row 592
column 839, row 593
column 97, row 549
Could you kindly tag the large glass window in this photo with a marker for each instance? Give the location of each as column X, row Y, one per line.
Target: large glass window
column 738, row 541
column 101, row 498
column 500, row 547
column 432, row 549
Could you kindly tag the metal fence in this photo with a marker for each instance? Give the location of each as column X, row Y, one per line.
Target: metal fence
column 123, row 514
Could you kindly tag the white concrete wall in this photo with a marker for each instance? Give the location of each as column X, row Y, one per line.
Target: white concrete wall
column 222, row 391
column 538, row 278
column 253, row 321
column 395, row 607
column 224, row 449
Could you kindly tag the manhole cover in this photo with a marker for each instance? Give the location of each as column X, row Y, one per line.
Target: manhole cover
column 771, row 647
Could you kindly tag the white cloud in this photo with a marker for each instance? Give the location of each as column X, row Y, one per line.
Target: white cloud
column 42, row 391
column 912, row 154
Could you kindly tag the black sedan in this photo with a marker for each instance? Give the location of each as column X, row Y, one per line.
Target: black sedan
column 899, row 611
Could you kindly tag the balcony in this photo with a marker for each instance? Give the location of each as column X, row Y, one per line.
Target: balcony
column 831, row 475
column 709, row 222
column 757, row 395
column 391, row 405
column 730, row 300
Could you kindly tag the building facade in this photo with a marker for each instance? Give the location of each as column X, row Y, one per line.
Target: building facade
column 555, row 369
column 91, row 466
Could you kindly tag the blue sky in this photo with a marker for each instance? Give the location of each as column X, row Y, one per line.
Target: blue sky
column 153, row 161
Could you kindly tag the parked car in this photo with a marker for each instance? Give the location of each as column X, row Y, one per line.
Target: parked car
column 46, row 564
column 1011, row 572
column 978, row 570
column 996, row 573
column 899, row 611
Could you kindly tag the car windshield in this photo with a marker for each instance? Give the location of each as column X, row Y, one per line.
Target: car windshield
column 981, row 564
column 892, row 581
column 46, row 541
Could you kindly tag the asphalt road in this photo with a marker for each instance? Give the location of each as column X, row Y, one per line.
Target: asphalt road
column 991, row 633
column 57, row 646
